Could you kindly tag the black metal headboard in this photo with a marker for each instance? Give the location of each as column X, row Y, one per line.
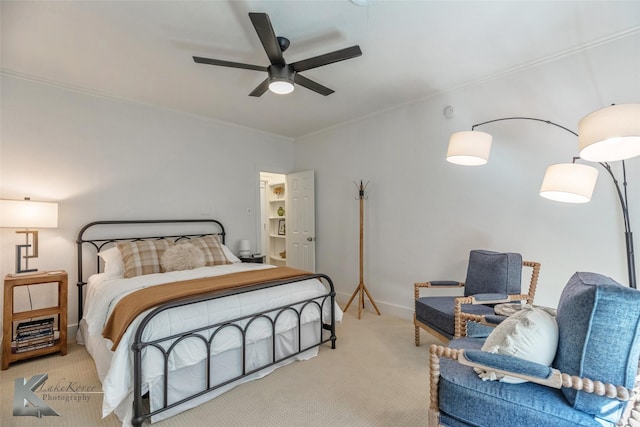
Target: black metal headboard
column 99, row 235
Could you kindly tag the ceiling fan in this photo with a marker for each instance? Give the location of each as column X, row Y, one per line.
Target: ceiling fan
column 282, row 76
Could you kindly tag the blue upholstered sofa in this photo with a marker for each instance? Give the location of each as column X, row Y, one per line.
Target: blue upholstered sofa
column 598, row 350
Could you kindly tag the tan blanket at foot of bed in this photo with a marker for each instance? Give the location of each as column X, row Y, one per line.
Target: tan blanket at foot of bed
column 129, row 307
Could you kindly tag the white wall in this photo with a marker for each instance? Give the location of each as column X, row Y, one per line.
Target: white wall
column 108, row 159
column 104, row 159
column 423, row 215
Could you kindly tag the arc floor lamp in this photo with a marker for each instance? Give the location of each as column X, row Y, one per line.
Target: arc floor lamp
column 606, row 135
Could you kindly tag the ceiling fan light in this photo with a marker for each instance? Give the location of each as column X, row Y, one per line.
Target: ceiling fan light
column 469, row 148
column 610, row 134
column 281, row 87
column 569, row 182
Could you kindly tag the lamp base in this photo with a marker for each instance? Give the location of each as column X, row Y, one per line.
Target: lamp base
column 19, row 257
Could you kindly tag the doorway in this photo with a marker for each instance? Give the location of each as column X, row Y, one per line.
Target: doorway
column 287, row 219
column 273, row 218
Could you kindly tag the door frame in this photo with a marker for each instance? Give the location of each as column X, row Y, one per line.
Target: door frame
column 258, row 206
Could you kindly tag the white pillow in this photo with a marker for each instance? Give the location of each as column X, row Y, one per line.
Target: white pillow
column 530, row 334
column 182, row 257
column 230, row 256
column 113, row 264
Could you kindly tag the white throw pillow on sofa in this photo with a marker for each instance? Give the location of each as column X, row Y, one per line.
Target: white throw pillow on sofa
column 530, row 334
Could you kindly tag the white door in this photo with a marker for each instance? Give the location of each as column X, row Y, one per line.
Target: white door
column 301, row 221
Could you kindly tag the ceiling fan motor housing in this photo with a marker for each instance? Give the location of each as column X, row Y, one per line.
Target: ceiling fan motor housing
column 281, row 72
column 283, row 42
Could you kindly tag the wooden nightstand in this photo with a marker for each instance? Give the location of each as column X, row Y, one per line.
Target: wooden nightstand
column 257, row 259
column 38, row 342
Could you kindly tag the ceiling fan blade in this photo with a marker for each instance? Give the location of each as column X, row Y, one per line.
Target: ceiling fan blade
column 311, row 85
column 267, row 36
column 327, row 58
column 262, row 88
column 210, row 61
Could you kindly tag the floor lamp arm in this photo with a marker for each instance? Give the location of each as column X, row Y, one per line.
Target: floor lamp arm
column 631, row 267
column 628, row 235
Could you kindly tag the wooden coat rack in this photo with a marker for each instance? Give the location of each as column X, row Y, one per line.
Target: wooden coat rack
column 361, row 290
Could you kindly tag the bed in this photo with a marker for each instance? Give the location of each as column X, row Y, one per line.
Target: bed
column 168, row 349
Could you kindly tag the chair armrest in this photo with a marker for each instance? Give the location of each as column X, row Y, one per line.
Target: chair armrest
column 494, row 298
column 461, row 317
column 435, row 284
column 489, row 298
column 503, row 363
column 459, row 324
column 535, row 266
column 539, row 374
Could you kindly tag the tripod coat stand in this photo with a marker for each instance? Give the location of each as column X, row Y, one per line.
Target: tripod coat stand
column 361, row 290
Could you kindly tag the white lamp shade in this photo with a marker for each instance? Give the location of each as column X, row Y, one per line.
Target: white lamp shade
column 281, row 87
column 469, row 148
column 569, row 182
column 28, row 214
column 610, row 134
column 244, row 248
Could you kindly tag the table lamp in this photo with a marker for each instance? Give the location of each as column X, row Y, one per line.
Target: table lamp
column 29, row 215
column 244, row 248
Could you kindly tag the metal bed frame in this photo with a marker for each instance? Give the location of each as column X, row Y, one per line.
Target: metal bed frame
column 212, row 227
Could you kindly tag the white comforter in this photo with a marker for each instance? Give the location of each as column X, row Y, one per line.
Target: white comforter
column 103, row 294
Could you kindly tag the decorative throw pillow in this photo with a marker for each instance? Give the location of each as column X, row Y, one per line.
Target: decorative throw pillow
column 142, row 257
column 530, row 334
column 212, row 249
column 113, row 264
column 182, row 257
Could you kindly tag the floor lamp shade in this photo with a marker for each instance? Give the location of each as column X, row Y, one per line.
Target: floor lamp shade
column 610, row 134
column 469, row 148
column 569, row 182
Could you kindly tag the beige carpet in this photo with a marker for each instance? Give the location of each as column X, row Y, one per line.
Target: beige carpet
column 375, row 377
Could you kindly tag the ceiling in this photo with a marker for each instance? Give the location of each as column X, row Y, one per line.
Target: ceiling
column 141, row 51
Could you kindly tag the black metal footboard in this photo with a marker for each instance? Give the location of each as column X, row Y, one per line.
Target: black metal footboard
column 206, row 335
column 100, row 235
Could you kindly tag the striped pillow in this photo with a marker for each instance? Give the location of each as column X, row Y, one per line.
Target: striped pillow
column 142, row 257
column 212, row 248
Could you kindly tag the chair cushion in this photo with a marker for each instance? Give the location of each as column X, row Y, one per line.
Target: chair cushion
column 437, row 312
column 599, row 325
column 464, row 399
column 478, row 330
column 493, row 272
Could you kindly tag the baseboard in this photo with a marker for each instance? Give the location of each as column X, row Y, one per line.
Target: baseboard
column 384, row 307
column 72, row 330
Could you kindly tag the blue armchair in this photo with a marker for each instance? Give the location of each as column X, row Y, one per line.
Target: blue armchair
column 591, row 382
column 492, row 278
